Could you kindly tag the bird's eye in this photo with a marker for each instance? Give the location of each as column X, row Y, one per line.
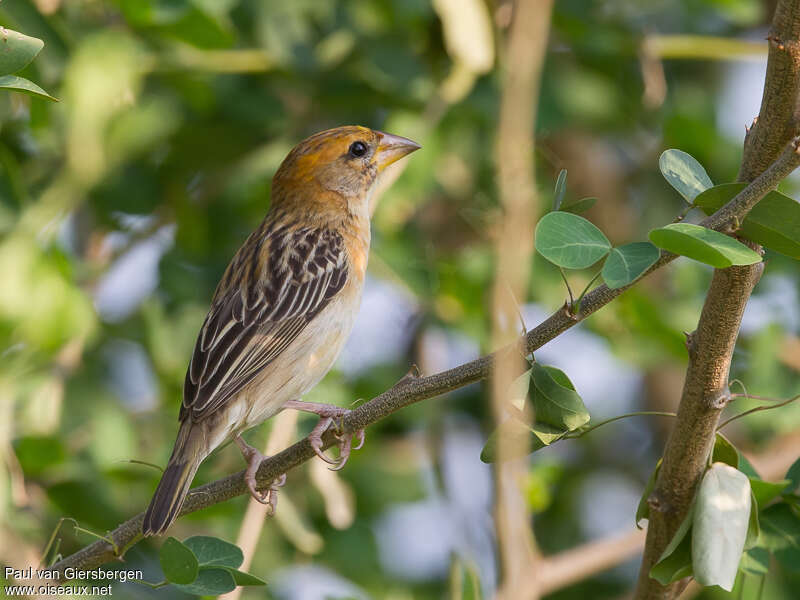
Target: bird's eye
column 358, row 149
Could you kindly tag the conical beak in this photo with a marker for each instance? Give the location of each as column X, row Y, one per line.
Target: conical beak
column 392, row 148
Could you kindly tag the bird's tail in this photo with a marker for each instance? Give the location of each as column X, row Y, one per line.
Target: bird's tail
column 188, row 453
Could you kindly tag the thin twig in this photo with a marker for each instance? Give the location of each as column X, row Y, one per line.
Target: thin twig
column 644, row 413
column 757, row 409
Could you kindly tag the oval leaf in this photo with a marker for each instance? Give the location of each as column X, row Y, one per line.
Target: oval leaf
column 555, row 401
column 676, row 561
column 724, row 451
column 570, row 241
column 627, row 263
column 17, row 50
column 214, row 551
column 765, row 492
column 211, row 581
column 20, row 84
column 178, row 562
column 684, row 173
column 242, row 578
column 703, row 245
column 720, row 524
column 774, row 222
column 579, row 206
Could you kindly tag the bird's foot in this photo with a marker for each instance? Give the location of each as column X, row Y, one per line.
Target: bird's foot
column 329, row 416
column 253, row 458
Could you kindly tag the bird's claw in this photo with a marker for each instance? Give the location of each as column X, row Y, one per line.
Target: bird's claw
column 345, row 439
column 269, row 496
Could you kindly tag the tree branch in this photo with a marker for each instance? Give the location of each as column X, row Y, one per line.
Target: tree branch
column 516, row 182
column 413, row 389
column 705, row 391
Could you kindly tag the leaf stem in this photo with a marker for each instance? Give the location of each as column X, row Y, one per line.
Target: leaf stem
column 757, row 409
column 644, row 413
column 49, row 545
column 569, row 289
column 684, row 212
column 586, row 289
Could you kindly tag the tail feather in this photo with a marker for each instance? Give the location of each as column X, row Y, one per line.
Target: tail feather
column 174, row 485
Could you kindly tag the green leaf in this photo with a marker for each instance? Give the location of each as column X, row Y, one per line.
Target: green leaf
column 747, row 468
column 529, row 437
column 211, row 581
column 19, row 84
column 627, row 263
column 555, row 401
column 755, row 562
column 558, row 409
column 793, row 475
column 519, row 433
column 714, row 198
column 211, row 551
column 780, row 534
column 766, row 491
column 561, row 189
column 684, row 173
column 643, row 510
column 725, row 452
column 579, row 206
column 546, row 434
column 17, row 50
column 704, row 245
column 720, row 525
column 753, row 525
column 570, row 241
column 245, row 579
column 676, row 561
column 774, row 222
column 518, row 390
column 178, row 562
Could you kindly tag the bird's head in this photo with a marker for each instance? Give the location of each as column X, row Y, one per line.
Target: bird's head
column 337, row 168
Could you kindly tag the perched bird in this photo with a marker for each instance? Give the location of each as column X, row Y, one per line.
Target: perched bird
column 282, row 311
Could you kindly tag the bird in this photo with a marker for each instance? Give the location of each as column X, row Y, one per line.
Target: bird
column 281, row 312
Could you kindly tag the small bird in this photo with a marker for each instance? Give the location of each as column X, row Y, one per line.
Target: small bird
column 282, row 311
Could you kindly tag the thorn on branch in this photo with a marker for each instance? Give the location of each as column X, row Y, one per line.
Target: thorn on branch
column 413, row 373
column 691, row 343
column 776, row 42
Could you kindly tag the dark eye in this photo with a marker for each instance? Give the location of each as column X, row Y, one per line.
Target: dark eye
column 358, row 149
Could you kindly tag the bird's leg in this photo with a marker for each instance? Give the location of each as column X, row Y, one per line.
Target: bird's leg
column 328, row 415
column 253, row 458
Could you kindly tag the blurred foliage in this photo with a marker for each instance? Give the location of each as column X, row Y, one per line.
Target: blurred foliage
column 121, row 205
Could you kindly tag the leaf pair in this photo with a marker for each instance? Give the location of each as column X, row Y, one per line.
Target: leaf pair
column 575, row 206
column 17, row 50
column 203, row 565
column 572, row 242
column 557, row 407
column 773, row 223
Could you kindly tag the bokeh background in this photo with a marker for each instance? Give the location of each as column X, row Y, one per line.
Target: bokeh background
column 121, row 205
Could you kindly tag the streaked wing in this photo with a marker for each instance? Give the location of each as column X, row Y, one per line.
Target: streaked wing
column 275, row 285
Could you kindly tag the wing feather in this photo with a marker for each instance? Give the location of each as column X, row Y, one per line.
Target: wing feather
column 272, row 296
